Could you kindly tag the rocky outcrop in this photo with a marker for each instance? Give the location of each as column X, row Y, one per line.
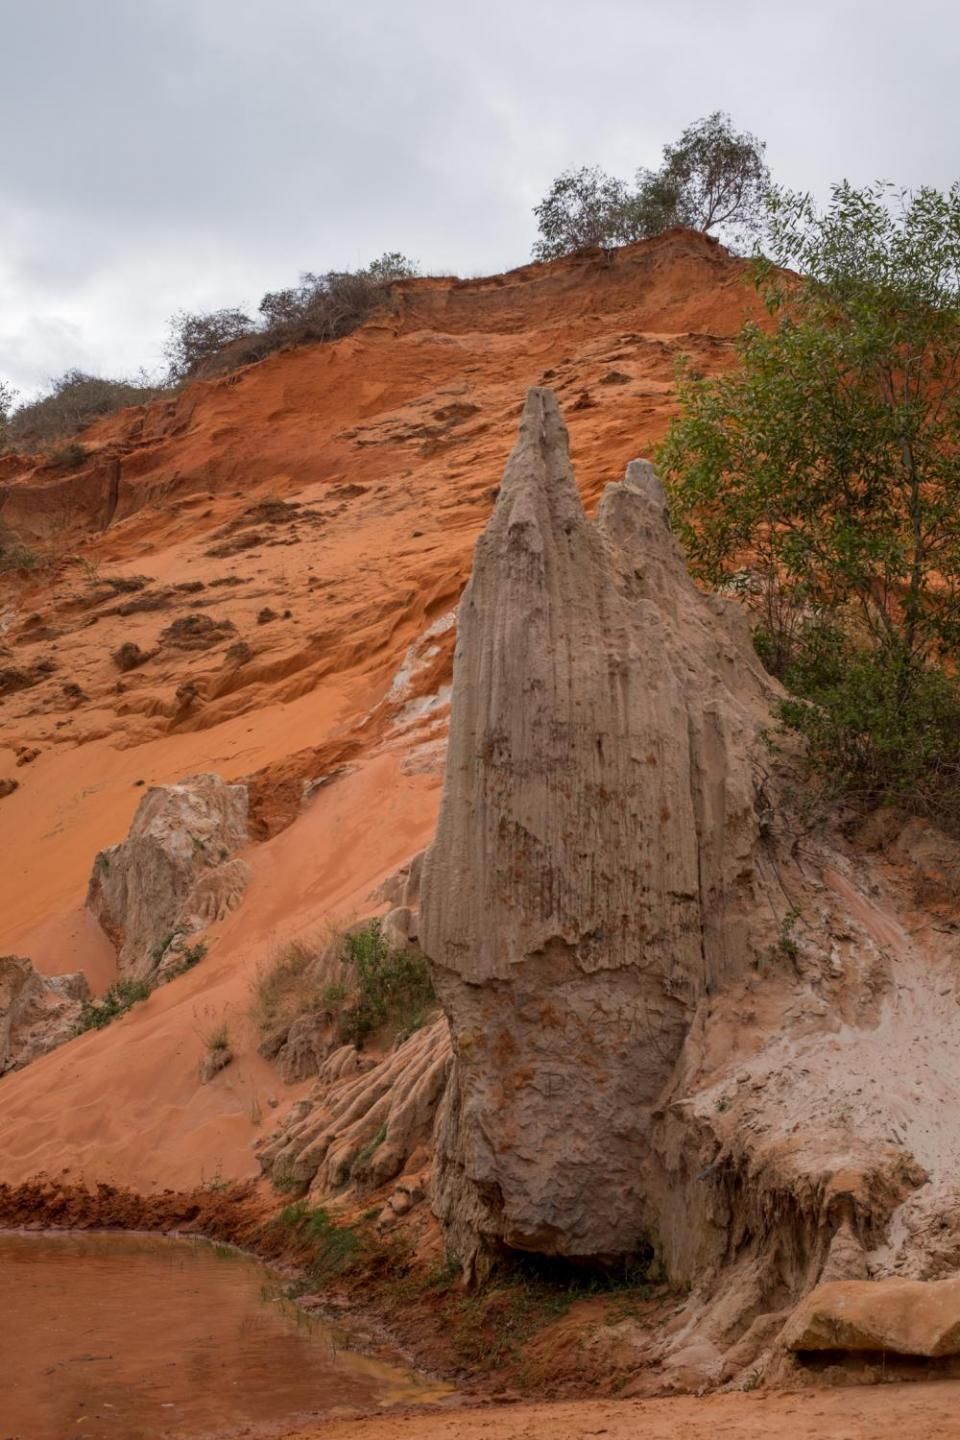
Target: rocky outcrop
column 366, row 1120
column 594, row 874
column 174, row 874
column 369, row 1118
column 902, row 1317
column 672, row 1004
column 37, row 1012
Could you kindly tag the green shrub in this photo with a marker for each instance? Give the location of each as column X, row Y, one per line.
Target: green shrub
column 819, row 479
column 878, row 730
column 122, row 994
column 389, row 985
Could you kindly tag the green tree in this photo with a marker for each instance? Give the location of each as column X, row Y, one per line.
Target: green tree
column 583, row 208
column 822, row 476
column 713, row 177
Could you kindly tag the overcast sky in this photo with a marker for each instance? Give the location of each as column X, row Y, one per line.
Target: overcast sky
column 159, row 154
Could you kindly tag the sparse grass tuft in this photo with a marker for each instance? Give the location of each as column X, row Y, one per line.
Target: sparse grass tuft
column 329, row 1248
column 281, row 990
column 218, row 1038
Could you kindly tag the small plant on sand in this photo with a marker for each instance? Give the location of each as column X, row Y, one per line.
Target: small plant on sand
column 217, row 1183
column 218, row 1039
column 218, row 1052
column 122, row 994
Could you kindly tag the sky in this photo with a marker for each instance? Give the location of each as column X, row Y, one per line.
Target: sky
column 158, row 155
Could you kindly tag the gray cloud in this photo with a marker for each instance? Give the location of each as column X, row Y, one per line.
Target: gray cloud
column 168, row 153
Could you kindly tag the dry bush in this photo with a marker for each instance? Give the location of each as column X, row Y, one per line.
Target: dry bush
column 15, row 556
column 129, row 655
column 197, row 337
column 282, row 988
column 319, row 308
column 73, row 401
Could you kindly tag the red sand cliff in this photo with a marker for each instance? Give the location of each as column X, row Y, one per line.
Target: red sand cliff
column 325, row 503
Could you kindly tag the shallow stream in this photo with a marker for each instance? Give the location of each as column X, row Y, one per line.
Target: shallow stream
column 140, row 1337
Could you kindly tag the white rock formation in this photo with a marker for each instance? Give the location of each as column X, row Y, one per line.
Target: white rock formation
column 593, row 874
column 37, row 1012
column 175, row 873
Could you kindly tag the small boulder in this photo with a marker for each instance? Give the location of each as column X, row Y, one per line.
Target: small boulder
column 901, row 1317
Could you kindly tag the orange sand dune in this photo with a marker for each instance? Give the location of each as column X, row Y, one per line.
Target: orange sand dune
column 384, row 451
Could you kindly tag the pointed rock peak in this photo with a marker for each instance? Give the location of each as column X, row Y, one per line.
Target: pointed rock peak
column 642, row 477
column 539, row 464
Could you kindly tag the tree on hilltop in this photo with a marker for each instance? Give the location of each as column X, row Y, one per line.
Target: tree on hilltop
column 713, row 177
column 583, row 208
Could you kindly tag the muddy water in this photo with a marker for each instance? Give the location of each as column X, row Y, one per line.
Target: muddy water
column 130, row 1337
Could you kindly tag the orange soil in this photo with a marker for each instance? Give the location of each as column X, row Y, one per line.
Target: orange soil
column 882, row 1412
column 392, row 443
